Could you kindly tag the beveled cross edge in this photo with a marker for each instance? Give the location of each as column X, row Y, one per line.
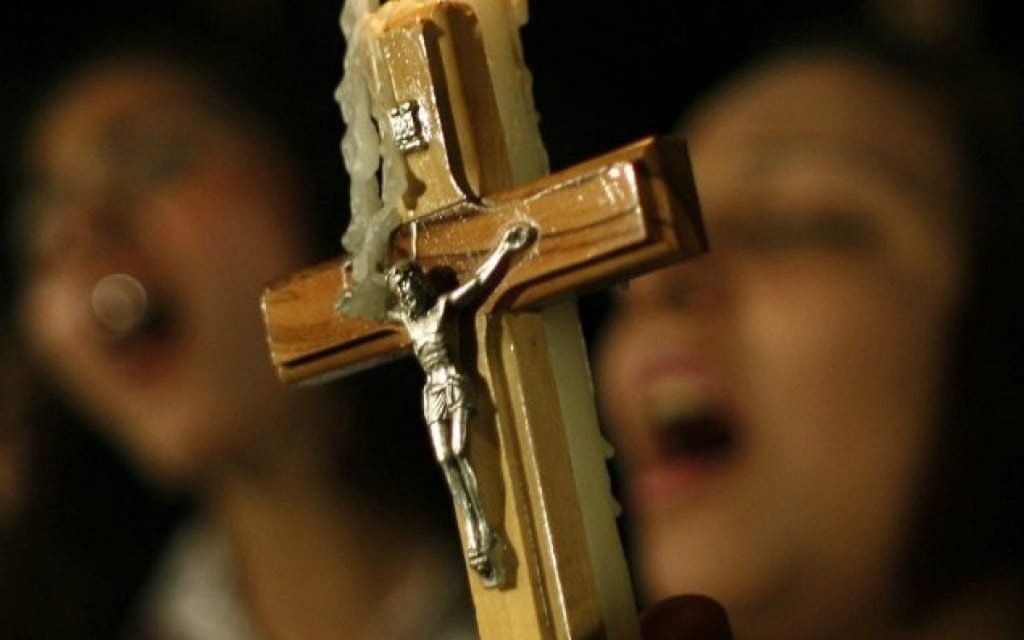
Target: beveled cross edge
column 656, row 222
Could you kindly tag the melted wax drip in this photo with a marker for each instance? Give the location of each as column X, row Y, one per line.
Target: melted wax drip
column 367, row 147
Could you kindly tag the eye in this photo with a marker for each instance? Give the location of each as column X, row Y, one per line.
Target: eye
column 164, row 162
column 826, row 230
column 147, row 159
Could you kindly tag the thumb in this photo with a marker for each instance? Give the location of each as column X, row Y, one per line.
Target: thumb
column 686, row 617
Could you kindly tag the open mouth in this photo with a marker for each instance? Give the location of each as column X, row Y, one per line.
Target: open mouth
column 688, row 420
column 143, row 332
column 691, row 435
column 699, row 436
column 152, row 346
column 155, row 326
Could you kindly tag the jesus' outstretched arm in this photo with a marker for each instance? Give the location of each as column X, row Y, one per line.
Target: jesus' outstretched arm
column 514, row 239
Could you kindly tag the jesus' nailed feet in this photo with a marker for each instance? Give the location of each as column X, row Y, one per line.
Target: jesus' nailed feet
column 486, row 560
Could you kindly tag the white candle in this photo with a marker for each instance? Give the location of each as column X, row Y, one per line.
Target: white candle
column 364, row 94
column 500, row 22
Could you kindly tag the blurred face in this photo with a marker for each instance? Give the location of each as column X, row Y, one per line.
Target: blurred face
column 152, row 221
column 773, row 400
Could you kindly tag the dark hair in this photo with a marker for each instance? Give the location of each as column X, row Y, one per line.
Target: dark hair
column 969, row 529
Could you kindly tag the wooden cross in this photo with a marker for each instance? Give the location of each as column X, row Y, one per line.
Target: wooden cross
column 534, row 440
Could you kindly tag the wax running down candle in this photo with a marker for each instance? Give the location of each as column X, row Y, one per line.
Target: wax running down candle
column 375, row 164
column 377, row 170
column 365, row 96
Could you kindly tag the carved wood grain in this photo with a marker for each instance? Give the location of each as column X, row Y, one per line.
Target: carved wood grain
column 638, row 216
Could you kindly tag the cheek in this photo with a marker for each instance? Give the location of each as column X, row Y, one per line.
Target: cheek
column 55, row 318
column 842, row 385
column 851, row 348
column 842, row 377
column 64, row 338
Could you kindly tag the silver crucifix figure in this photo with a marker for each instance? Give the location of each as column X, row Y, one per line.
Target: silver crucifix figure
column 431, row 319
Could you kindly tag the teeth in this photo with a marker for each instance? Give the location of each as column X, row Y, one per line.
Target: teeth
column 673, row 400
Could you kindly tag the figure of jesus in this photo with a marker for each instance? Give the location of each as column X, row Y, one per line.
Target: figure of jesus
column 431, row 320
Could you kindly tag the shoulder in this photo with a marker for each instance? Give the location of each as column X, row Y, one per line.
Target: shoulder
column 194, row 593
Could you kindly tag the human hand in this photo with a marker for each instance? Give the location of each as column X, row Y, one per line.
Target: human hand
column 687, row 617
column 517, row 237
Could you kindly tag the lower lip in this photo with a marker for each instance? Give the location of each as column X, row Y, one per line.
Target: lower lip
column 671, row 482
